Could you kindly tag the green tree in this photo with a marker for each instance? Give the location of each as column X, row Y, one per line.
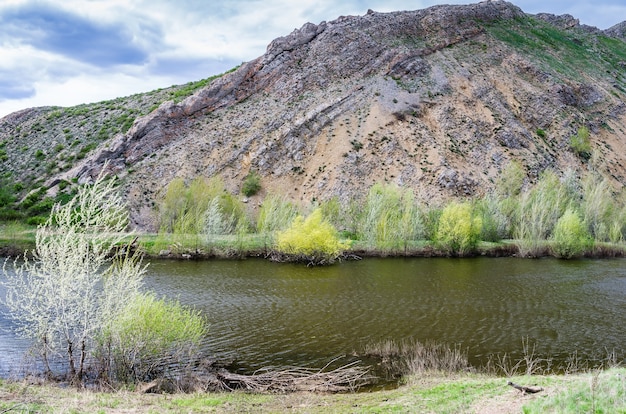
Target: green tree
column 511, row 180
column 199, row 211
column 496, row 225
column 459, row 228
column 571, row 238
column 390, row 218
column 312, row 239
column 538, row 211
column 276, row 214
column 598, row 207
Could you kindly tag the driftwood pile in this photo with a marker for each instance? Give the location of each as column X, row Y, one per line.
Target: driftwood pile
column 347, row 378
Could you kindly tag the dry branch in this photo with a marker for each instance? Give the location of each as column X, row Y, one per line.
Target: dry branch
column 345, row 378
column 524, row 389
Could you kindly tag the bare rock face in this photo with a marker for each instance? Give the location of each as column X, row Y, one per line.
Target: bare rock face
column 618, row 31
column 564, row 21
column 439, row 100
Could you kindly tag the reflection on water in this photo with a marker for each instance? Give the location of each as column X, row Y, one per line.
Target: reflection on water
column 268, row 314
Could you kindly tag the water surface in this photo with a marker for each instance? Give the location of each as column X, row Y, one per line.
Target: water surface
column 267, row 314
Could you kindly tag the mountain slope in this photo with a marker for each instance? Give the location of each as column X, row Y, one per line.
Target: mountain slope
column 439, row 100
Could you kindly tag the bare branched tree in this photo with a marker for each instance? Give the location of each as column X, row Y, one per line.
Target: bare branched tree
column 80, row 277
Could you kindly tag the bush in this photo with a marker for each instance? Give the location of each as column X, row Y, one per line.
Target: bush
column 459, row 228
column 495, row 224
column 312, row 239
column 571, row 238
column 276, row 213
column 390, row 218
column 251, row 184
column 580, row 143
column 152, row 335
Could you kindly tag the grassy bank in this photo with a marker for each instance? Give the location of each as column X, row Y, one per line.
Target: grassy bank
column 599, row 391
column 16, row 239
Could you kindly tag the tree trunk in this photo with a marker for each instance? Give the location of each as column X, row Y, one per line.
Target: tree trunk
column 44, row 356
column 70, row 355
column 83, row 353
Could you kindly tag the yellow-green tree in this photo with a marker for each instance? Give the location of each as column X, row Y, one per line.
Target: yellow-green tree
column 313, row 239
column 571, row 238
column 459, row 228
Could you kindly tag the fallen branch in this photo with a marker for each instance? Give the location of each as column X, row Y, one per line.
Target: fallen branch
column 346, row 378
column 525, row 390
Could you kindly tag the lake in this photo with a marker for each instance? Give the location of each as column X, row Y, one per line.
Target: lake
column 268, row 314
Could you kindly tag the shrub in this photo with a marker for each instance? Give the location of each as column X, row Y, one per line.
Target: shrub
column 511, row 180
column 580, row 143
column 571, row 238
column 538, row 211
column 276, row 214
column 251, row 184
column 313, row 239
column 459, row 228
column 390, row 218
column 495, row 224
column 151, row 334
column 75, row 283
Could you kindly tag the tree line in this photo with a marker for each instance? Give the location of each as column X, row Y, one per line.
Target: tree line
column 565, row 216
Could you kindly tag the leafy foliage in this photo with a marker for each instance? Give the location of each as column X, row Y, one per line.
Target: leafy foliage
column 73, row 288
column 251, row 184
column 538, row 211
column 459, row 228
column 570, row 235
column 276, row 214
column 390, row 218
column 150, row 334
column 313, row 239
column 580, row 143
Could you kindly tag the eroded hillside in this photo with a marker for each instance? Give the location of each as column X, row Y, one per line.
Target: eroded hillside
column 439, row 100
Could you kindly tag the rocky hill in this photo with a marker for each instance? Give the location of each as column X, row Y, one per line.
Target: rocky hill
column 439, row 100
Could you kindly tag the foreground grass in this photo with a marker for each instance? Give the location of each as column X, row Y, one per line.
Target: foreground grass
column 596, row 392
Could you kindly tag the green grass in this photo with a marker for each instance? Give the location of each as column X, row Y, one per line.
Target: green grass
column 572, row 53
column 21, row 237
column 595, row 392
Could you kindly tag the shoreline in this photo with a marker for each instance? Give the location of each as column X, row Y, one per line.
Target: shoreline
column 18, row 246
column 597, row 391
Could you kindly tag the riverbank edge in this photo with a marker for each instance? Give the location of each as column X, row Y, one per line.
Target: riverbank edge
column 181, row 249
column 434, row 392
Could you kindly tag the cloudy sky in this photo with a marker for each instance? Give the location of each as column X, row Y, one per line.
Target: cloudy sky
column 79, row 51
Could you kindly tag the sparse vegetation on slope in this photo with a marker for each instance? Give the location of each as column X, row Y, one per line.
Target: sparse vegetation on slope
column 57, row 138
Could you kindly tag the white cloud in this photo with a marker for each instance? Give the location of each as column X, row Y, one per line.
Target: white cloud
column 183, row 41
